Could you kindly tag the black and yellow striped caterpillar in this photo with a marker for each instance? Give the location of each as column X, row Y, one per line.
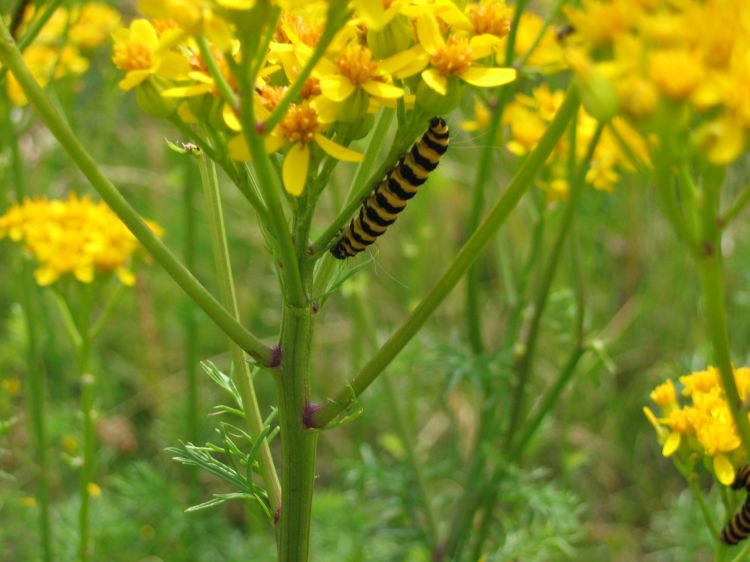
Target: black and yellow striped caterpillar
column 389, row 197
column 738, row 529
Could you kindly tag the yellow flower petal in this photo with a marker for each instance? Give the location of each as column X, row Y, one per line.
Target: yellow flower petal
column 337, row 151
column 435, row 80
column 238, row 149
column 453, row 16
column 125, row 276
column 45, row 276
column 372, row 13
column 382, row 90
column 488, row 77
column 294, row 171
column 336, row 87
column 273, row 143
column 406, row 63
column 671, row 444
column 428, row 32
column 724, row 470
column 483, row 45
column 132, row 79
column 230, row 118
column 187, row 91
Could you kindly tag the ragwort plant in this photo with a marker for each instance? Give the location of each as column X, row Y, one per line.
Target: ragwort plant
column 277, row 94
column 273, row 94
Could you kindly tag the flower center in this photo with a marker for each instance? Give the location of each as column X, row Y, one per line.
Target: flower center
column 307, row 33
column 491, row 18
column 454, row 57
column 355, row 62
column 132, row 56
column 310, row 88
column 271, row 96
column 300, row 123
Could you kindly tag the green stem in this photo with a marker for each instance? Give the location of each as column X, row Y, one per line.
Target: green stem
column 550, row 399
column 737, row 206
column 88, row 382
column 714, row 310
column 11, row 57
column 472, row 487
column 399, row 420
column 268, row 181
column 241, row 371
column 741, row 555
column 461, row 263
column 213, row 68
column 525, row 351
column 34, row 29
column 35, row 378
column 481, row 179
column 298, row 443
column 708, row 519
column 109, row 308
column 190, row 324
column 336, row 16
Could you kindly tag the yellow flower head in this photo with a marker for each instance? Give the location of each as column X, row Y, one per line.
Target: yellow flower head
column 705, row 425
column 141, row 53
column 75, row 237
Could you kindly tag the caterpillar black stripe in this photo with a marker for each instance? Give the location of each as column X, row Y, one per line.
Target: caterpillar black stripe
column 389, row 197
column 738, row 529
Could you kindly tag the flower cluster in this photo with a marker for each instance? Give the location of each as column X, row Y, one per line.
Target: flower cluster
column 75, row 237
column 60, row 47
column 703, row 424
column 412, row 54
column 528, row 117
column 670, row 66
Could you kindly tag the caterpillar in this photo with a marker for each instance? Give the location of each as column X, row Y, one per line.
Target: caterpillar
column 390, row 196
column 738, row 529
column 742, row 478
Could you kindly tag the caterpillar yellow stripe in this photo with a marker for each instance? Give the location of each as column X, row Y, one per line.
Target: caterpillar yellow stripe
column 738, row 529
column 389, row 197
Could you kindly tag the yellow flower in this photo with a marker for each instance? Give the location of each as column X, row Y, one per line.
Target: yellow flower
column 355, row 68
column 93, row 24
column 295, row 132
column 74, row 237
column 455, row 57
column 664, row 396
column 140, row 52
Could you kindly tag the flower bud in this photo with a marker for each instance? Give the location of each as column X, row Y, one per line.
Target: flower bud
column 395, row 37
column 598, row 95
column 354, row 108
column 434, row 103
column 149, row 99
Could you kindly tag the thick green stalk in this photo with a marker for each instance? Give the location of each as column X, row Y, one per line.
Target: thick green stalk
column 57, row 125
column 298, row 443
column 461, row 263
column 271, row 188
column 242, row 374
